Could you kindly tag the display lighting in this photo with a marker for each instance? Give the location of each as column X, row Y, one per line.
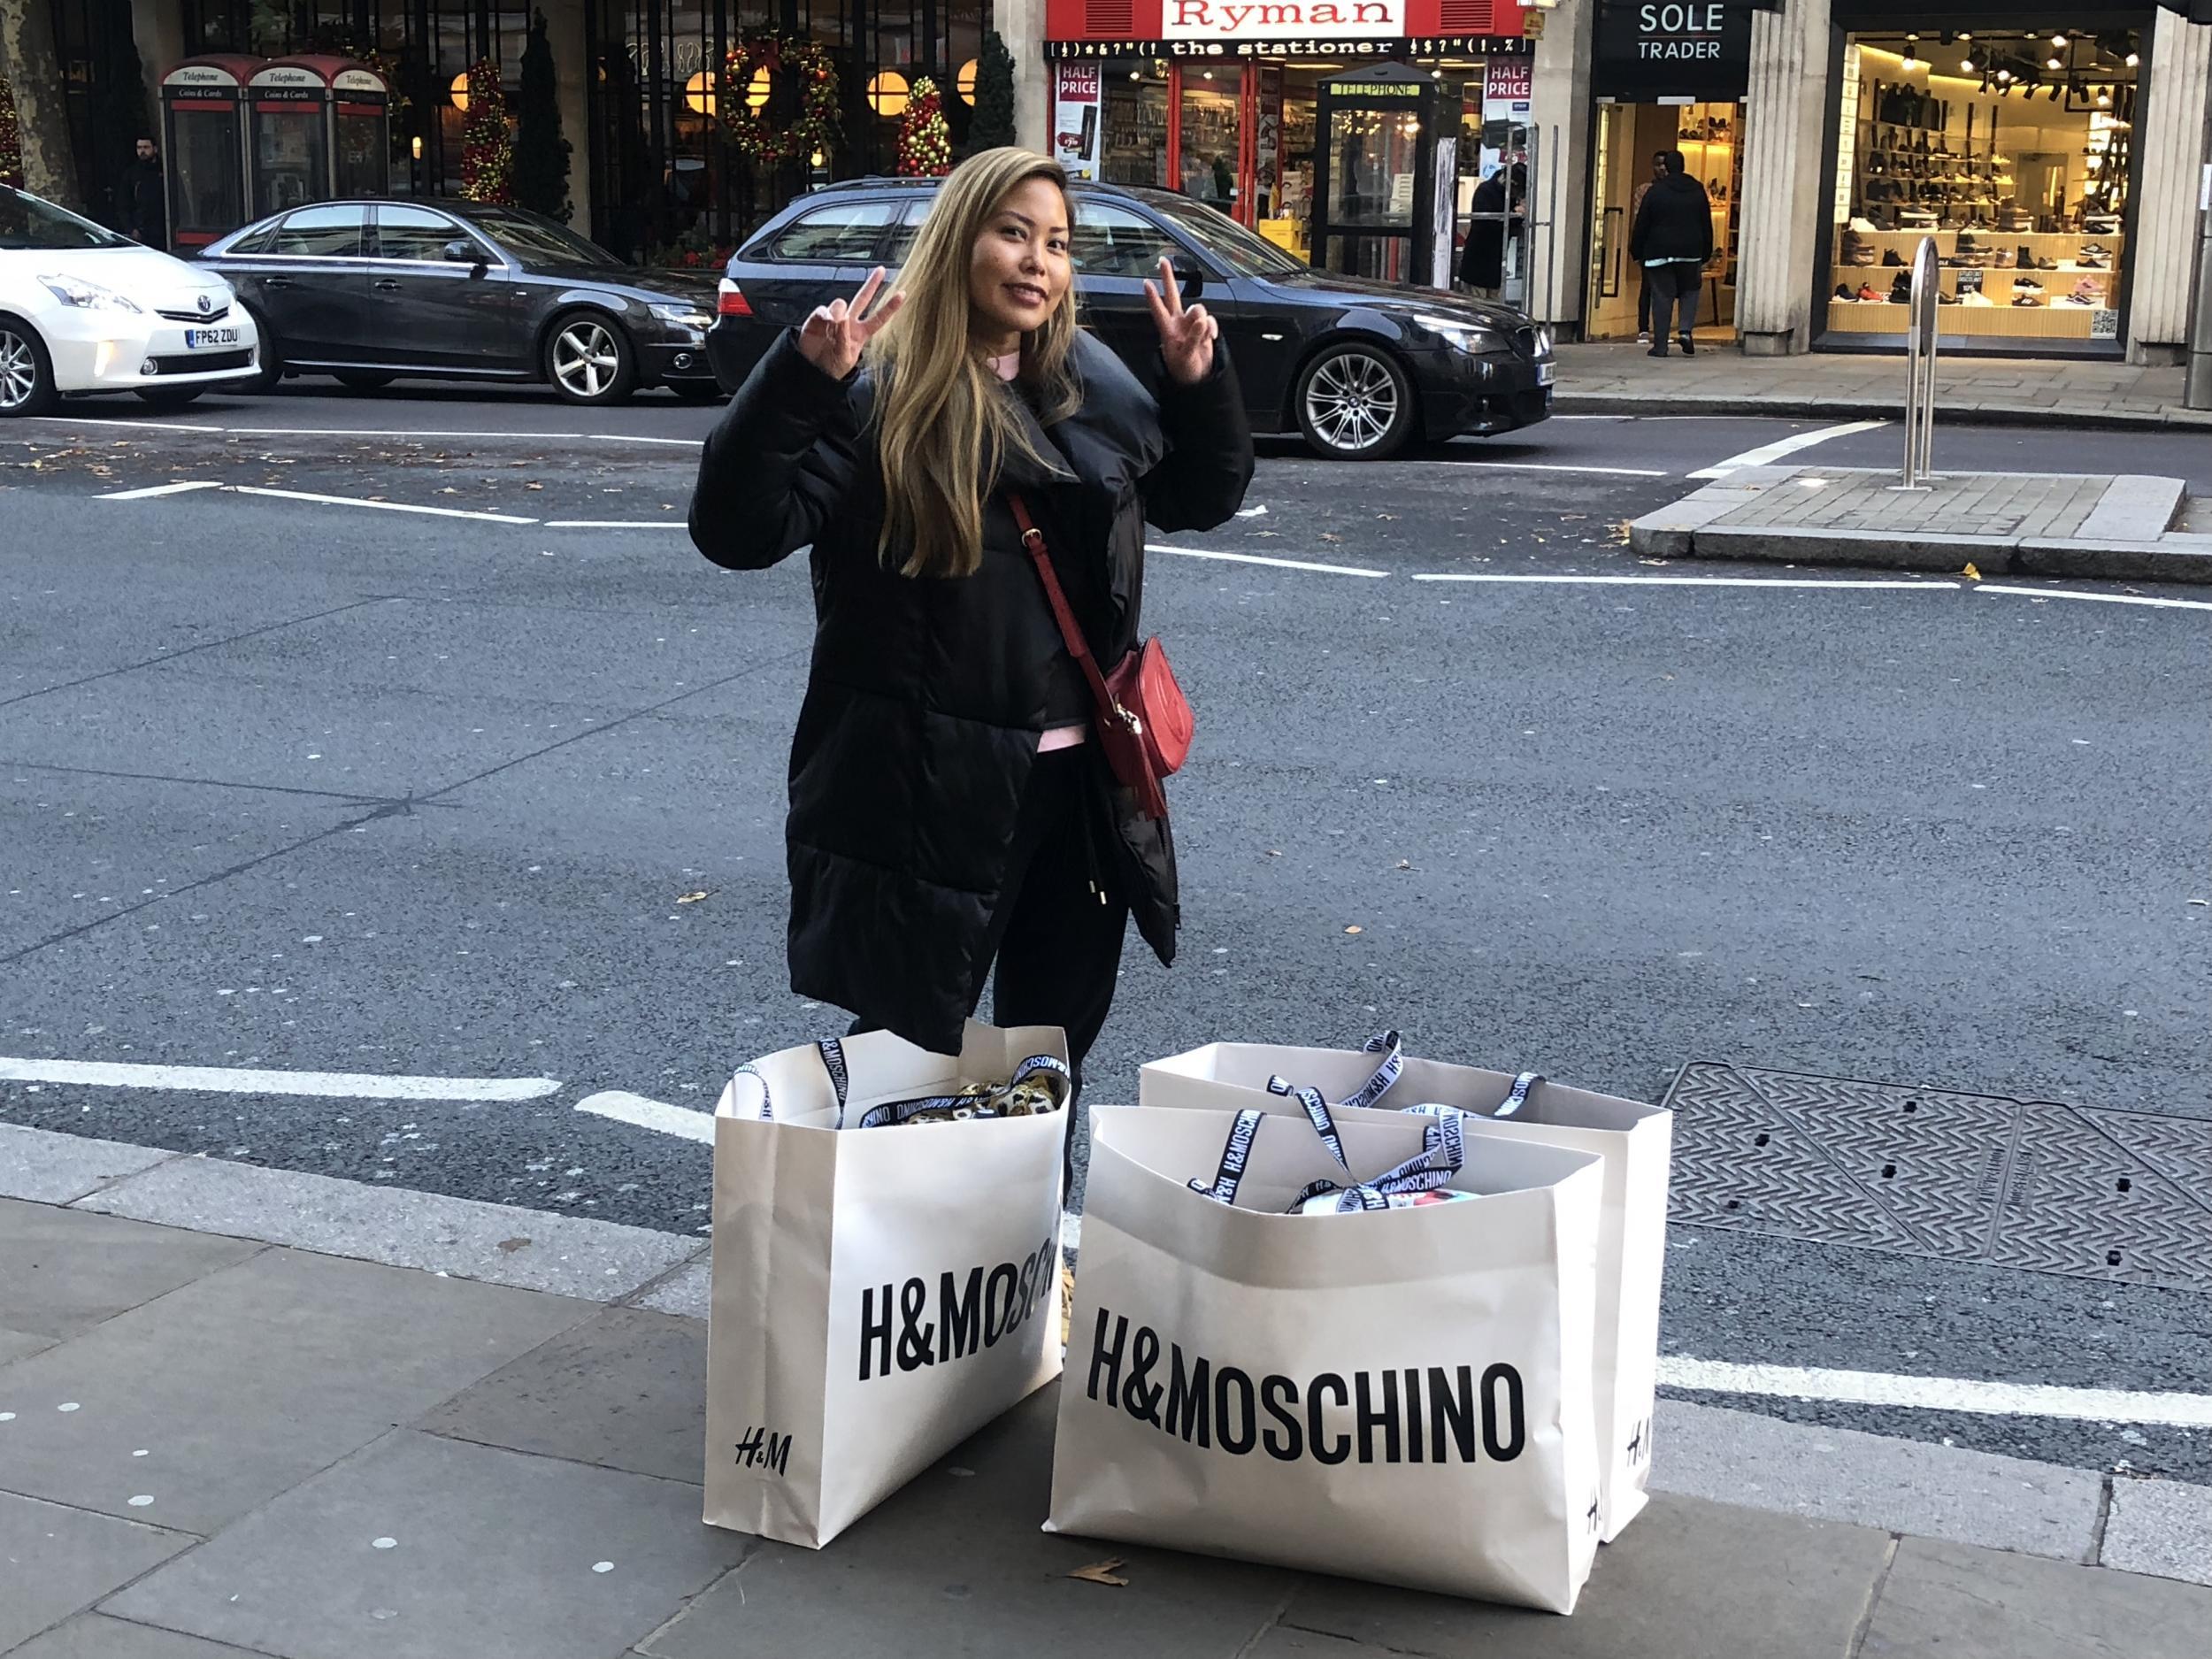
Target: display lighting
column 2058, row 40
column 460, row 90
column 699, row 94
column 2133, row 59
column 2053, row 63
column 887, row 92
column 1966, row 66
column 964, row 82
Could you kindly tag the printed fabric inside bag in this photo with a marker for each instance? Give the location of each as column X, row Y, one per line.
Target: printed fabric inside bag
column 1420, row 1179
column 1041, row 1083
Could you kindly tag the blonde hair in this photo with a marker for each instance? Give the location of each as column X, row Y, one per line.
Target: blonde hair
column 943, row 421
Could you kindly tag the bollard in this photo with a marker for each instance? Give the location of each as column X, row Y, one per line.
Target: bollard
column 1920, row 364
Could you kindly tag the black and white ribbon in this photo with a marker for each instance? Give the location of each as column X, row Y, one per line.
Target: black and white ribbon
column 1236, row 1155
column 1045, row 1071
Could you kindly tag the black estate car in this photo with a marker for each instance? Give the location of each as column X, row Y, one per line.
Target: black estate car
column 1359, row 367
column 370, row 291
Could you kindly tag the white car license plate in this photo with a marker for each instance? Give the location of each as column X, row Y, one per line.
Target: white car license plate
column 209, row 339
column 1547, row 373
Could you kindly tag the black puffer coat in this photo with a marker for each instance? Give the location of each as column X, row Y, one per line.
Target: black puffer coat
column 928, row 696
column 1674, row 222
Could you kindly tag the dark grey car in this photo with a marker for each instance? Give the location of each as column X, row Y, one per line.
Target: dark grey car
column 371, row 291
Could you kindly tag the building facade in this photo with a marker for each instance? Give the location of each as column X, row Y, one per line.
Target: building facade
column 2053, row 151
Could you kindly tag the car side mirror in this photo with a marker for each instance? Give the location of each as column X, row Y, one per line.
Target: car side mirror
column 463, row 252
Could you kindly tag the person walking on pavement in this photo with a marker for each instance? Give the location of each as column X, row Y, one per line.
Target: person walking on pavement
column 1482, row 265
column 1643, row 273
column 948, row 808
column 145, row 198
column 1672, row 239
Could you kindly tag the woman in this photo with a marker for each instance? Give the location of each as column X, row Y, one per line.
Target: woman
column 949, row 809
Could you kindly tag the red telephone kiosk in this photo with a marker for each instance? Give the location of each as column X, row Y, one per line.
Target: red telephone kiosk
column 204, row 137
column 327, row 118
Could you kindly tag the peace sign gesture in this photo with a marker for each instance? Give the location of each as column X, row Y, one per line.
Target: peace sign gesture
column 832, row 338
column 1187, row 337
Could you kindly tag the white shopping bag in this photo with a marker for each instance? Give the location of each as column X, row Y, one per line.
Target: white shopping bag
column 1401, row 1396
column 879, row 1293
column 1634, row 1141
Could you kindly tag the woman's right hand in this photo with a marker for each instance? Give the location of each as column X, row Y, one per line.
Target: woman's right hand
column 833, row 337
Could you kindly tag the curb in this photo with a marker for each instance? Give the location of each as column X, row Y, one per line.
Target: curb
column 1864, row 409
column 1747, row 1458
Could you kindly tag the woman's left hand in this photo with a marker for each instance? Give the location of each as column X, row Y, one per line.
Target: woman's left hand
column 1187, row 334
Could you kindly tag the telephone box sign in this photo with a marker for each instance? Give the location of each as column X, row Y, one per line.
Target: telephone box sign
column 1282, row 19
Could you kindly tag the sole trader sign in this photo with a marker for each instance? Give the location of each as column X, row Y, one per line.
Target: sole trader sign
column 1697, row 50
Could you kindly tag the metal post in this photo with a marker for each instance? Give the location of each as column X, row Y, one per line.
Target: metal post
column 1920, row 365
column 2196, row 385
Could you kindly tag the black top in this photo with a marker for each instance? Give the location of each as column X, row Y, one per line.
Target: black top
column 145, row 207
column 926, row 696
column 1674, row 222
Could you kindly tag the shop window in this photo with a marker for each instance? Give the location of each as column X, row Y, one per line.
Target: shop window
column 322, row 232
column 1112, row 241
column 2013, row 152
column 846, row 234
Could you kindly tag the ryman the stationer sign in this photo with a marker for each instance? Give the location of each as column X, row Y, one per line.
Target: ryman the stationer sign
column 1697, row 49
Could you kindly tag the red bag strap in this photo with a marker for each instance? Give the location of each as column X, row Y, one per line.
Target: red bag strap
column 1033, row 539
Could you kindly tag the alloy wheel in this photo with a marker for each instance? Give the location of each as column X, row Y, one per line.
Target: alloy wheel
column 18, row 369
column 586, row 358
column 1352, row 402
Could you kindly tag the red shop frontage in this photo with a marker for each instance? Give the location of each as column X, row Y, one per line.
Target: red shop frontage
column 1220, row 100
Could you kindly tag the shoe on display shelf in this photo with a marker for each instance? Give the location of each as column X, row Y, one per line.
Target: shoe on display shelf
column 2004, row 259
column 1901, row 290
column 1866, row 292
column 2088, row 291
column 1889, row 256
column 1864, row 226
column 2027, row 299
column 1843, row 292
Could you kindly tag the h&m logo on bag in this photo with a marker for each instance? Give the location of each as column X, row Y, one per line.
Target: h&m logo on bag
column 1221, row 1405
column 760, row 1449
column 973, row 1314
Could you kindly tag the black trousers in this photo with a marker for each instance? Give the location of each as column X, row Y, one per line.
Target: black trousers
column 1643, row 299
column 1054, row 955
column 1677, row 281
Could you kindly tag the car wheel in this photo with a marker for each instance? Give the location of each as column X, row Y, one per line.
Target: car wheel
column 696, row 391
column 589, row 359
column 270, row 369
column 26, row 374
column 362, row 380
column 1355, row 403
column 169, row 397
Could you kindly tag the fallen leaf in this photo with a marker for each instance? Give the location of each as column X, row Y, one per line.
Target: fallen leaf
column 1102, row 1572
column 533, row 487
column 1970, row 572
column 1327, row 536
column 1277, row 852
column 508, row 1246
column 691, row 898
column 1405, row 864
column 1387, row 518
column 1355, row 930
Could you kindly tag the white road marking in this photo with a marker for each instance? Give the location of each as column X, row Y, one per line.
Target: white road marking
column 152, row 490
column 385, row 506
column 626, row 437
column 1256, row 558
column 616, row 524
column 1547, row 466
column 376, row 432
column 626, row 1108
column 2102, row 599
column 1766, row 454
column 238, row 1080
column 159, row 425
column 1937, row 1393
column 1934, row 586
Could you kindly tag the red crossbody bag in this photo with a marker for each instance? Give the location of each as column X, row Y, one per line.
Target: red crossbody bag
column 1144, row 720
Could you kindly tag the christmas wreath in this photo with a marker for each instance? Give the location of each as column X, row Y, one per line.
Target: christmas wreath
column 751, row 135
column 10, row 146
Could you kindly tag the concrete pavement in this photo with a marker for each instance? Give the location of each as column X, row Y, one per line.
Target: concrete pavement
column 422, row 1426
column 2065, row 524
column 1619, row 377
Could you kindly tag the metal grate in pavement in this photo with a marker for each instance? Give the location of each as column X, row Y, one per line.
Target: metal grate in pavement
column 2095, row 1194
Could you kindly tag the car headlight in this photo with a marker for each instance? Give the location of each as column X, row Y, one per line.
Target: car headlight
column 684, row 314
column 88, row 296
column 1461, row 335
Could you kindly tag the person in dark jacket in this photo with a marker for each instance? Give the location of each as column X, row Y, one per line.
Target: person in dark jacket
column 1482, row 264
column 949, row 808
column 1672, row 239
column 145, row 198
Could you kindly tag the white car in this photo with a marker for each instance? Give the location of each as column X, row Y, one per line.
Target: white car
column 84, row 310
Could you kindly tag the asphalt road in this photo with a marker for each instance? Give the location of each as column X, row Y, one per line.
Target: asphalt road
column 295, row 781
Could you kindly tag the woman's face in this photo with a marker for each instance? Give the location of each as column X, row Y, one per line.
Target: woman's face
column 1019, row 269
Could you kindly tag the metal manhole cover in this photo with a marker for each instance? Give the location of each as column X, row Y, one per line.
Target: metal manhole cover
column 1969, row 1178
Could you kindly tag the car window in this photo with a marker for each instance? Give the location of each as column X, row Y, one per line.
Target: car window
column 843, row 233
column 416, row 233
column 260, row 240
column 27, row 221
column 1244, row 252
column 332, row 232
column 1112, row 241
column 527, row 236
column 910, row 226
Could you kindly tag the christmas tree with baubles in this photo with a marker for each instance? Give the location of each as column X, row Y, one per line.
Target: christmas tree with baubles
column 925, row 141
